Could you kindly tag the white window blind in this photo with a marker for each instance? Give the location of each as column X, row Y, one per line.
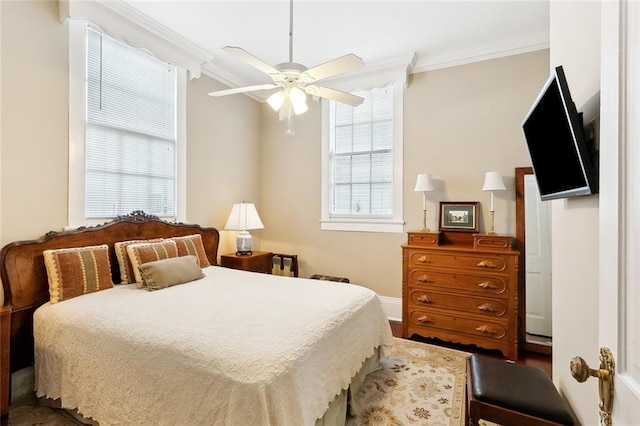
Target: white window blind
column 130, row 131
column 361, row 155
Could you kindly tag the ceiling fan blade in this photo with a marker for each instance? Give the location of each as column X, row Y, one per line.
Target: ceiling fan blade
column 333, row 94
column 243, row 89
column 329, row 69
column 252, row 60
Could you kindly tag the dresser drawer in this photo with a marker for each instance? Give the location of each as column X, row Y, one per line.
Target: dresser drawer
column 475, row 305
column 480, row 262
column 428, row 319
column 493, row 285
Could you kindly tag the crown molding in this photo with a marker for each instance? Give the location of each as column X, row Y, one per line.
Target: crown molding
column 120, row 20
column 134, row 15
column 485, row 53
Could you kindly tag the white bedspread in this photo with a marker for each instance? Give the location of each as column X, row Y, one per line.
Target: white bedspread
column 235, row 348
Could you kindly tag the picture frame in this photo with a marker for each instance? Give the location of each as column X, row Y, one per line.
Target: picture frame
column 459, row 216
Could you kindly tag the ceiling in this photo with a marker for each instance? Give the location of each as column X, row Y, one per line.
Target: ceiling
column 439, row 33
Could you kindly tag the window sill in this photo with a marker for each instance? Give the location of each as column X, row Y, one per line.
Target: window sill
column 351, row 225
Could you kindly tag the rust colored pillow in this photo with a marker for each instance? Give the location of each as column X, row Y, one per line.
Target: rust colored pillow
column 76, row 271
column 142, row 253
column 192, row 245
column 127, row 275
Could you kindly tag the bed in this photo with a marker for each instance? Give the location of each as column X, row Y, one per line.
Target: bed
column 231, row 348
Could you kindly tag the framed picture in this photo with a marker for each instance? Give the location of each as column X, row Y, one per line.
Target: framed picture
column 459, row 216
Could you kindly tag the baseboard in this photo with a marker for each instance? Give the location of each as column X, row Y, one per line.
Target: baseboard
column 392, row 307
column 538, row 348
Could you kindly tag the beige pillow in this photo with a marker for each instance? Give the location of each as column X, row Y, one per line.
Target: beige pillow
column 192, row 245
column 127, row 275
column 169, row 272
column 76, row 271
column 142, row 253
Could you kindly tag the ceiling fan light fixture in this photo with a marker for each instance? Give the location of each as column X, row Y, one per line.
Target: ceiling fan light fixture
column 275, row 101
column 298, row 100
column 295, row 80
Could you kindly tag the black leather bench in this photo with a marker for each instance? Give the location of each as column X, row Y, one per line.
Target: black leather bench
column 512, row 394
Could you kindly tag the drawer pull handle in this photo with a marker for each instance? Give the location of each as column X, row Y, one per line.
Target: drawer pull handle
column 487, row 285
column 424, row 259
column 488, row 307
column 425, row 279
column 487, row 264
column 486, row 329
column 425, row 299
column 425, row 319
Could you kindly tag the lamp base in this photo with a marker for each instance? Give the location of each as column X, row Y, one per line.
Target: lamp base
column 244, row 243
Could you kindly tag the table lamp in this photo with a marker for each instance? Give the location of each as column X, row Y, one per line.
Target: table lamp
column 424, row 184
column 243, row 218
column 493, row 182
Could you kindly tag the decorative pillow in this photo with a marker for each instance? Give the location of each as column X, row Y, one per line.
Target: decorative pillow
column 169, row 272
column 148, row 252
column 76, row 271
column 192, row 245
column 127, row 275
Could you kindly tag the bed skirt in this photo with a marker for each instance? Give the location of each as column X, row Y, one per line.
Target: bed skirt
column 345, row 404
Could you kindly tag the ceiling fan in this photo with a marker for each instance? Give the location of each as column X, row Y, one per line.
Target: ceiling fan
column 295, row 81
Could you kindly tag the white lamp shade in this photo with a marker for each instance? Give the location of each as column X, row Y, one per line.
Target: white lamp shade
column 298, row 100
column 493, row 182
column 243, row 217
column 275, row 101
column 424, row 183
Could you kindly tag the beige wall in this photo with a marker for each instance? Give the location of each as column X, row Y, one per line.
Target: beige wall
column 35, row 104
column 222, row 133
column 575, row 44
column 459, row 122
column 223, row 152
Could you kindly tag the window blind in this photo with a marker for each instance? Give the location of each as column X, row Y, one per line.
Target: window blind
column 361, row 155
column 130, row 131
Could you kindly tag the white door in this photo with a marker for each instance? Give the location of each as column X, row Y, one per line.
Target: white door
column 538, row 259
column 619, row 310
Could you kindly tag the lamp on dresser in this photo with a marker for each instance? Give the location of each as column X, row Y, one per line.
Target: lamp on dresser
column 493, row 182
column 244, row 217
column 424, row 184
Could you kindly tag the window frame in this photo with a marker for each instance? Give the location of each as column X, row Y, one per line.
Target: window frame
column 393, row 223
column 77, row 129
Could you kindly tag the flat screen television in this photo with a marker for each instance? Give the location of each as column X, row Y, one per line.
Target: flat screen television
column 561, row 149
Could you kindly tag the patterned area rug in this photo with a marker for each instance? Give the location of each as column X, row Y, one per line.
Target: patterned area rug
column 419, row 384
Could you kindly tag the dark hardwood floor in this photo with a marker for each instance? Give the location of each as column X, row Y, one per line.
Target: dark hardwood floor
column 533, row 359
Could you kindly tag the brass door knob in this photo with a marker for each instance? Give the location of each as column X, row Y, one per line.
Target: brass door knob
column 581, row 371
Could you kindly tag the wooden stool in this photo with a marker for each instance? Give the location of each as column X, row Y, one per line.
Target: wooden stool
column 512, row 394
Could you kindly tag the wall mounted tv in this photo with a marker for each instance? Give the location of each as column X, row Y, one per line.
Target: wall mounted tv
column 561, row 147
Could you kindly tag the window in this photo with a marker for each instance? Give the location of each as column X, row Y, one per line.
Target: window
column 126, row 130
column 361, row 155
column 130, row 131
column 362, row 163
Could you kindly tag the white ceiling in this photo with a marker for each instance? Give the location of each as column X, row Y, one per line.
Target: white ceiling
column 440, row 33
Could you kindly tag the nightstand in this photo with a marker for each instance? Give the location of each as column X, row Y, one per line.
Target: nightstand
column 259, row 261
column 5, row 335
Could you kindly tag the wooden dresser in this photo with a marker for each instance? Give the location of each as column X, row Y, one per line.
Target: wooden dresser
column 461, row 287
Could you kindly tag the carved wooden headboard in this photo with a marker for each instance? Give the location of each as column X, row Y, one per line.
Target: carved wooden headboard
column 24, row 276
